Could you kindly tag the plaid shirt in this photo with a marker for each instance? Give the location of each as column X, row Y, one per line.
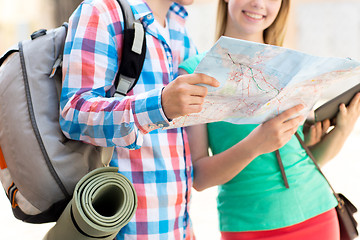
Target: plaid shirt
column 156, row 161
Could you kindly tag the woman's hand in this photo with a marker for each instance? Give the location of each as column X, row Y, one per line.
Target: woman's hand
column 348, row 116
column 332, row 142
column 316, row 132
column 344, row 122
column 275, row 133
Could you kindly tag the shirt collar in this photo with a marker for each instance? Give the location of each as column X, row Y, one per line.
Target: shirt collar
column 142, row 10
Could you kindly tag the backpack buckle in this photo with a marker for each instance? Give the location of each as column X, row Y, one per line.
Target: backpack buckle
column 38, row 33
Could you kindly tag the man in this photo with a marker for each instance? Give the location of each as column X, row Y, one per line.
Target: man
column 156, row 161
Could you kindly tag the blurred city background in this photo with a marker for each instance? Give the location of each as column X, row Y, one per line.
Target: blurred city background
column 319, row 27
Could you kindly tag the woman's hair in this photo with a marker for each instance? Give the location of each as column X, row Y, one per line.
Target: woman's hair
column 273, row 35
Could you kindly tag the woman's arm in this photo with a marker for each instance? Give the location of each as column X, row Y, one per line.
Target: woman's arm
column 220, row 168
column 332, row 142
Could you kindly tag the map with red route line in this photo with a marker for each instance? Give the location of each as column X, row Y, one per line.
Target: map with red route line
column 259, row 81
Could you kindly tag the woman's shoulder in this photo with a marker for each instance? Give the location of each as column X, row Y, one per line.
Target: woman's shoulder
column 190, row 64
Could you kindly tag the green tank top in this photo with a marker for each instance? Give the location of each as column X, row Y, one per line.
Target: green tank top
column 256, row 199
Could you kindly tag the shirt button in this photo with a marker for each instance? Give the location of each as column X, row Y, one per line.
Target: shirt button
column 148, row 17
column 188, row 168
column 160, row 125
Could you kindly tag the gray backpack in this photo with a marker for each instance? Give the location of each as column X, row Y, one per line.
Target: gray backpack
column 39, row 166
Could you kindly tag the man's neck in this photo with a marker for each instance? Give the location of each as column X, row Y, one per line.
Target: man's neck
column 159, row 8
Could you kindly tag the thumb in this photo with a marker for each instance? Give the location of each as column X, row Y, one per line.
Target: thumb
column 200, row 78
column 342, row 108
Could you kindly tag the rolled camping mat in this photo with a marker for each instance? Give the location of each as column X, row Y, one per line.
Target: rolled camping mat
column 104, row 201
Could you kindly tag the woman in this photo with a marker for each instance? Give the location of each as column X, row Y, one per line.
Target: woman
column 253, row 202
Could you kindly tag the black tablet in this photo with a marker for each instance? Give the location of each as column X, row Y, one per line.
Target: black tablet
column 330, row 109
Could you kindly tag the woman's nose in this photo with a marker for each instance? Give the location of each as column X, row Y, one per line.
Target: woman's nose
column 259, row 4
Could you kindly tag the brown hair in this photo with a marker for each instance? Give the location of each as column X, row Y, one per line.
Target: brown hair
column 273, row 35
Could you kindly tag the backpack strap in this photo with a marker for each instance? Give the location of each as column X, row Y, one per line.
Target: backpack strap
column 133, row 51
column 7, row 54
column 58, row 52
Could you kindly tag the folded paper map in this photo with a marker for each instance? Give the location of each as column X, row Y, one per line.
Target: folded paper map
column 259, row 81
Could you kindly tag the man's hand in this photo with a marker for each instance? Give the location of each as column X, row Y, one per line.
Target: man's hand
column 182, row 96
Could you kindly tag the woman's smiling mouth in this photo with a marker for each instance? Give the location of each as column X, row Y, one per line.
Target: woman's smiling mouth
column 253, row 15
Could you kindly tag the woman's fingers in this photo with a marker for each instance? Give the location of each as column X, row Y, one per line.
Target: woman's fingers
column 292, row 123
column 288, row 114
column 325, row 126
column 355, row 102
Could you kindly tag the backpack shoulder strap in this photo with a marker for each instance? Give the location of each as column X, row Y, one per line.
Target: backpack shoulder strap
column 133, row 51
column 8, row 53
